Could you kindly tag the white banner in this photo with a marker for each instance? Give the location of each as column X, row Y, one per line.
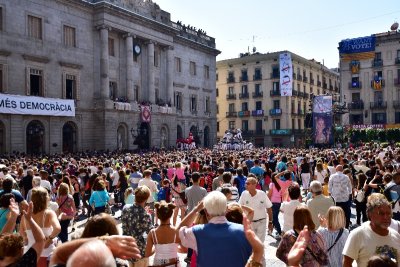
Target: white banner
column 286, row 74
column 33, row 105
column 322, row 104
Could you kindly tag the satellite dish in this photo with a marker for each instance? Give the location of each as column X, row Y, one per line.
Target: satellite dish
column 394, row 26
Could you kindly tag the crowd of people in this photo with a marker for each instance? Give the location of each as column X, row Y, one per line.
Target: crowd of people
column 227, row 202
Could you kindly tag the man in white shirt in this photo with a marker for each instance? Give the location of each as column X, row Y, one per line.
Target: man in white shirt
column 373, row 237
column 147, row 181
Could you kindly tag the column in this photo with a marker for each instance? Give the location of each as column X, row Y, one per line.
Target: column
column 129, row 68
column 170, row 77
column 104, row 63
column 150, row 71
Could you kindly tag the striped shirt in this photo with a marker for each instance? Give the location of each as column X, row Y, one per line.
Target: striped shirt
column 335, row 254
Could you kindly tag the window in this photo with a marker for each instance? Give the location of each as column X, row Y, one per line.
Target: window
column 259, row 126
column 378, row 56
column 156, row 57
column 35, row 82
column 355, row 82
column 217, row 109
column 232, row 125
column 70, row 86
column 217, row 126
column 1, row 18
column 3, row 75
column 258, row 105
column 257, row 89
column 231, row 90
column 244, row 77
column 113, row 90
column 277, row 104
column 245, row 106
column 398, row 51
column 178, row 67
column 378, row 118
column 293, row 124
column 299, row 123
column 69, row 36
column 231, row 107
column 397, row 117
column 275, row 86
column 136, row 92
column 192, row 68
column 245, row 125
column 35, row 27
column 216, row 76
column 355, row 97
column 207, row 104
column 275, row 72
column 206, row 72
column 244, row 90
column 378, row 96
column 111, row 48
column 257, row 74
column 378, row 74
column 193, row 103
column 216, row 92
column 276, row 124
column 178, row 100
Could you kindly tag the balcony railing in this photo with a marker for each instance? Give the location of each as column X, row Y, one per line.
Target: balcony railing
column 259, row 132
column 231, row 96
column 330, row 87
column 355, row 85
column 295, row 93
column 247, row 132
column 378, row 105
column 244, row 113
column 397, row 60
column 396, row 81
column 257, row 113
column 377, row 84
column 275, row 75
column 376, row 63
column 311, row 81
column 230, row 79
column 301, row 94
column 319, row 83
column 298, row 131
column 356, row 105
column 243, row 95
column 257, row 94
column 280, row 132
column 231, row 114
column 275, row 93
column 325, row 86
column 257, row 77
column 306, row 95
column 244, row 78
column 275, row 112
column 294, row 76
column 396, row 104
column 299, row 77
column 305, row 79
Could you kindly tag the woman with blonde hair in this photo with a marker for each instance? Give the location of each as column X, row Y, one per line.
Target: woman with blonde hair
column 315, row 254
column 333, row 231
column 66, row 210
column 129, row 196
column 47, row 221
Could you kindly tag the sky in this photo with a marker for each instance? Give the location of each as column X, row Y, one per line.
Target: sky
column 309, row 28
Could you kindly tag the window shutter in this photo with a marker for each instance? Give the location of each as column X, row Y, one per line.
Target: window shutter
column 77, row 86
column 28, row 81
column 43, row 85
column 5, row 78
column 63, row 85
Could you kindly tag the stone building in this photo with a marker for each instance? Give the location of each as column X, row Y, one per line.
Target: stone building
column 370, row 77
column 249, row 98
column 119, row 61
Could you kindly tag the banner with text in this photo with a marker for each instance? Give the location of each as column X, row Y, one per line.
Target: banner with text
column 286, row 71
column 322, row 120
column 33, row 105
column 357, row 48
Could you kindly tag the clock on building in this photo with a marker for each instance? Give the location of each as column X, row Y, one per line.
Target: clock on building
column 137, row 49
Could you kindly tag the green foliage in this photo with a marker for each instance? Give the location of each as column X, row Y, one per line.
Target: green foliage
column 369, row 134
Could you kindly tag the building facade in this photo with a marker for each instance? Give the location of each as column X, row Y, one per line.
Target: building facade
column 371, row 80
column 249, row 98
column 123, row 62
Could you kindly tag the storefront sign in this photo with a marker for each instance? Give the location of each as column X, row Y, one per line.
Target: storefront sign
column 370, row 126
column 33, row 105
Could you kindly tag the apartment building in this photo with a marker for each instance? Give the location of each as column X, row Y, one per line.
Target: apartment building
column 249, row 98
column 370, row 78
column 136, row 79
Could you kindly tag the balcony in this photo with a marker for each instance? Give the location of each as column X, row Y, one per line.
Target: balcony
column 257, row 94
column 275, row 93
column 299, row 77
column 396, row 81
column 230, row 79
column 295, row 93
column 294, row 112
column 377, row 63
column 257, row 113
column 301, row 94
column 243, row 95
column 330, row 87
column 275, row 112
column 259, row 132
column 306, row 95
column 336, row 89
column 275, row 75
column 358, row 105
column 397, row 61
column 280, row 132
column 305, row 79
column 230, row 96
column 244, row 78
column 325, row 86
column 294, row 76
column 378, row 105
column 244, row 113
column 311, row 81
column 231, row 114
column 319, row 83
column 298, row 131
column 377, row 84
column 247, row 133
column 396, row 104
column 301, row 112
column 355, row 85
column 257, row 77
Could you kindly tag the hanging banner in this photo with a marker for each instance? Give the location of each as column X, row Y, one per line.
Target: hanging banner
column 286, row 71
column 33, row 105
column 146, row 113
column 357, row 48
column 322, row 120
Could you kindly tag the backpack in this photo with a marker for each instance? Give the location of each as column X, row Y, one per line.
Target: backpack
column 389, row 191
column 163, row 194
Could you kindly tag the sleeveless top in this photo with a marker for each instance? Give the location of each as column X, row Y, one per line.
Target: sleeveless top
column 164, row 252
column 47, row 232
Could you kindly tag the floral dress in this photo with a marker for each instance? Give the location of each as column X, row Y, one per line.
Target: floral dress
column 315, row 254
